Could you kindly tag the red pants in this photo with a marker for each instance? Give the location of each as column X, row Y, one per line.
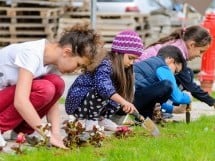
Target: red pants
column 45, row 92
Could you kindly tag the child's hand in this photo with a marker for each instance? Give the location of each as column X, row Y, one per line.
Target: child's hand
column 179, row 109
column 57, row 142
column 128, row 107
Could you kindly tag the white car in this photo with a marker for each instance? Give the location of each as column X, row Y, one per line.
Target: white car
column 121, row 6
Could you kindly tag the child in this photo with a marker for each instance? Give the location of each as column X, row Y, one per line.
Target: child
column 193, row 41
column 95, row 97
column 29, row 89
column 155, row 81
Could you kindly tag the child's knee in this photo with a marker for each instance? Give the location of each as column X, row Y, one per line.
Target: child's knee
column 44, row 90
column 57, row 81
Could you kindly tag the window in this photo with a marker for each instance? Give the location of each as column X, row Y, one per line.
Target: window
column 115, row 0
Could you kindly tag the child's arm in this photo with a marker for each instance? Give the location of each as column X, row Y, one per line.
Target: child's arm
column 103, row 80
column 185, row 78
column 26, row 109
column 21, row 100
column 127, row 106
column 105, row 86
column 53, row 117
column 177, row 96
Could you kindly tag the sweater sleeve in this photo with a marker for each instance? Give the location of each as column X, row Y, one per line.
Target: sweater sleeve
column 103, row 81
column 148, row 52
column 185, row 78
column 164, row 73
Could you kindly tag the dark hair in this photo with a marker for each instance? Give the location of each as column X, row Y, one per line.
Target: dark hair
column 198, row 34
column 122, row 77
column 172, row 52
column 84, row 42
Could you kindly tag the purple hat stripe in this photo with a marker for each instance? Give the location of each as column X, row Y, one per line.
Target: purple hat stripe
column 127, row 48
column 128, row 42
column 129, row 36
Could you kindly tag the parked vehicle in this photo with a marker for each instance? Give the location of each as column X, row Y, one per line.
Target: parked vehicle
column 142, row 6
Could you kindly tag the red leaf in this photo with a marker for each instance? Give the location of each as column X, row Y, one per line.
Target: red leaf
column 20, row 138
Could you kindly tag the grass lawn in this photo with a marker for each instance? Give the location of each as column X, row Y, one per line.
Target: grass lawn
column 213, row 94
column 178, row 142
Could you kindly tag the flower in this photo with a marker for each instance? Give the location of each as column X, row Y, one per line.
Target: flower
column 20, row 138
column 123, row 131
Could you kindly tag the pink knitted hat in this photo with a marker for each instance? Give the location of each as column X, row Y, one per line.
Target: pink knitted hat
column 129, row 42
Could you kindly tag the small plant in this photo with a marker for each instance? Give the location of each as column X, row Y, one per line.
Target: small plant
column 123, row 131
column 20, row 140
column 45, row 131
column 44, row 140
column 74, row 131
column 97, row 136
column 157, row 117
column 76, row 135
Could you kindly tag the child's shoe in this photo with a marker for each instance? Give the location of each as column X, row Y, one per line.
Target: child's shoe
column 108, row 124
column 89, row 124
column 13, row 135
column 2, row 141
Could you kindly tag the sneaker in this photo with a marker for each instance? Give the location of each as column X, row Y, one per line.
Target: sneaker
column 119, row 119
column 166, row 115
column 89, row 124
column 13, row 135
column 108, row 124
column 2, row 141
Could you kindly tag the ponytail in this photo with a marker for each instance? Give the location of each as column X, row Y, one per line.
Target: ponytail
column 198, row 34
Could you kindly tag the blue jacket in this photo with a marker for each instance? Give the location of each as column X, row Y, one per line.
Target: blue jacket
column 100, row 81
column 153, row 70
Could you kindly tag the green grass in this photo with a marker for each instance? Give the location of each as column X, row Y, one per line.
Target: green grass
column 213, row 94
column 178, row 142
column 62, row 100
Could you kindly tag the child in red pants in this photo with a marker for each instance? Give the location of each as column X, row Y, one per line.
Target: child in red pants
column 29, row 85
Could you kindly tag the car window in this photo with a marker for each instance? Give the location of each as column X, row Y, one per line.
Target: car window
column 115, row 0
